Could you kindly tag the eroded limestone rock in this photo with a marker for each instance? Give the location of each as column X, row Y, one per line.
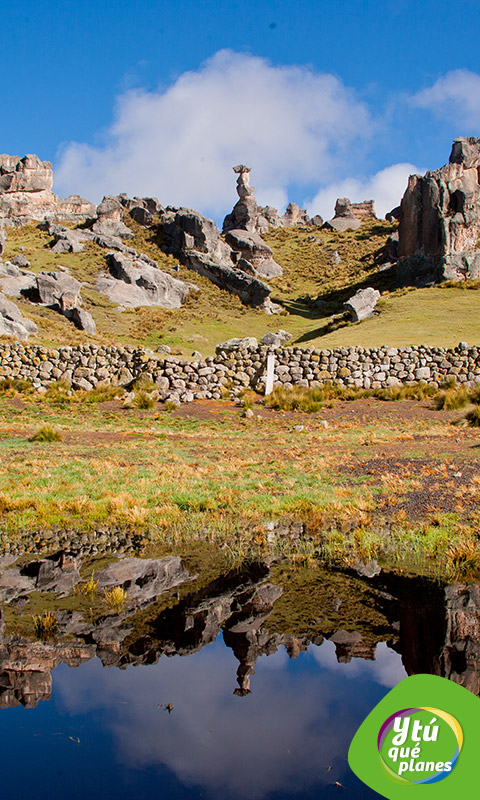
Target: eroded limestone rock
column 440, row 220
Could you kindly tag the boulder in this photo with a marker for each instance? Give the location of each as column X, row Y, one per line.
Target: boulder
column 52, row 285
column 21, row 261
column 440, row 220
column 133, row 282
column 237, row 344
column 3, row 239
column 116, row 228
column 69, row 241
column 362, row 304
column 274, row 340
column 12, row 321
column 82, row 319
column 342, row 224
column 15, row 281
column 253, row 249
column 141, row 215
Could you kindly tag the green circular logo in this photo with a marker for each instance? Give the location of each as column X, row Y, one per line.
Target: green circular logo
column 419, row 745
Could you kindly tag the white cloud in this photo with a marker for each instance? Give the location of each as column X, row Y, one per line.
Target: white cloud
column 455, row 95
column 385, row 187
column 290, row 124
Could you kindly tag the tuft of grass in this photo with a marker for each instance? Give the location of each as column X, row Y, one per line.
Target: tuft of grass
column 143, row 401
column 15, row 386
column 473, row 416
column 45, row 625
column 89, row 587
column 115, row 598
column 170, row 406
column 463, row 556
column 453, row 399
column 46, row 434
column 295, row 399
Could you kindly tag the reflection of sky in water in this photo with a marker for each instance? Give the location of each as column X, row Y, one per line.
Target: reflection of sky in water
column 277, row 742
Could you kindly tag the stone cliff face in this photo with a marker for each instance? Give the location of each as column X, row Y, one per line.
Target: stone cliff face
column 26, row 193
column 440, row 220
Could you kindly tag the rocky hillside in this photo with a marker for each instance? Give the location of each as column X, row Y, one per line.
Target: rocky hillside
column 130, row 271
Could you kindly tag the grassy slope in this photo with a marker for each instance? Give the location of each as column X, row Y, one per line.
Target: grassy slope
column 440, row 316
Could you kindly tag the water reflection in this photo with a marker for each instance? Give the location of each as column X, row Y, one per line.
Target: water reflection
column 282, row 667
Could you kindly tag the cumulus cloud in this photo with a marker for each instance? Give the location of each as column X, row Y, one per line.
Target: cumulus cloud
column 385, row 187
column 291, row 124
column 455, row 96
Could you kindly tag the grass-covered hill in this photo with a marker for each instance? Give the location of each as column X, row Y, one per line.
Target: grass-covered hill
column 319, row 265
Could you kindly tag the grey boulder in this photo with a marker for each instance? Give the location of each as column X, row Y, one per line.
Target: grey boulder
column 253, row 249
column 12, row 321
column 133, row 281
column 362, row 304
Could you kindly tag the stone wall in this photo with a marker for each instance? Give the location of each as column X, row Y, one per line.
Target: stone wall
column 88, row 365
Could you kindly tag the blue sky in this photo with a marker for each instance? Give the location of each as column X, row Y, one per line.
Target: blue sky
column 319, row 98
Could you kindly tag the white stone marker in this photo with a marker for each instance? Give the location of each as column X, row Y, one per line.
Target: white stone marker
column 270, row 373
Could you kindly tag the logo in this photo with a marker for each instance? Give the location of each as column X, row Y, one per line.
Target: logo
column 419, row 745
column 424, row 733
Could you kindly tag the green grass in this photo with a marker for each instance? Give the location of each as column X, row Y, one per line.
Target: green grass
column 46, row 434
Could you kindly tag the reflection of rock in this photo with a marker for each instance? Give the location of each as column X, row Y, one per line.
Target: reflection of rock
column 461, row 650
column 144, row 579
column 435, row 630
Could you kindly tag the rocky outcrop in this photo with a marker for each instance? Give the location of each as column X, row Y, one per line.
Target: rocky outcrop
column 439, row 228
column 362, row 304
column 362, row 211
column 195, row 240
column 134, row 281
column 248, row 216
column 253, row 254
column 12, row 321
column 349, row 216
column 60, row 291
column 109, row 220
column 26, row 193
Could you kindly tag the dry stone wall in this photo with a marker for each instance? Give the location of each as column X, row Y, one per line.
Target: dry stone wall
column 86, row 366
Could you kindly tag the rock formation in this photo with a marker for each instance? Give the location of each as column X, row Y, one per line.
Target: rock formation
column 242, row 231
column 349, row 216
column 195, row 240
column 440, row 220
column 248, row 216
column 26, row 193
column 12, row 321
column 362, row 304
column 134, row 281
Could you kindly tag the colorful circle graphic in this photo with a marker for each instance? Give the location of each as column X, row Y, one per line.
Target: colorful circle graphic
column 445, row 752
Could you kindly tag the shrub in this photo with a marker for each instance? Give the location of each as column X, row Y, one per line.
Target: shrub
column 46, row 434
column 45, row 625
column 115, row 598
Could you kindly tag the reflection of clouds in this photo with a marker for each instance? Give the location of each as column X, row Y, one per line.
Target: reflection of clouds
column 387, row 669
column 298, row 721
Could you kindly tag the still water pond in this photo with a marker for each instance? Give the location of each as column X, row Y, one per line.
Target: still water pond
column 245, row 684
